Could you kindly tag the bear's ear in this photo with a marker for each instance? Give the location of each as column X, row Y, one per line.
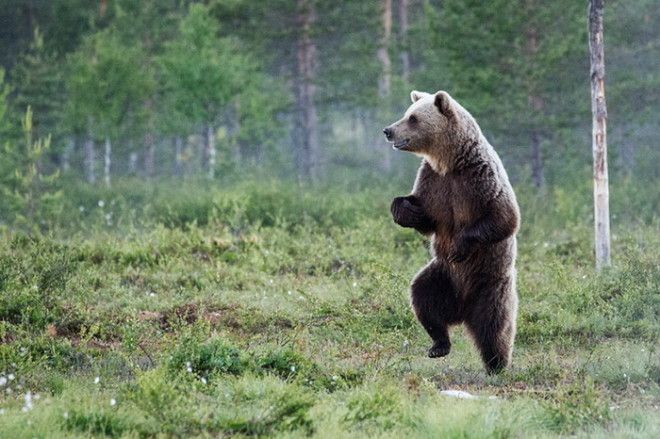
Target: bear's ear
column 417, row 95
column 443, row 102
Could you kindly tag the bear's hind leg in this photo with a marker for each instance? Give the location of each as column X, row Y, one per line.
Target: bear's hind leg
column 436, row 306
column 492, row 323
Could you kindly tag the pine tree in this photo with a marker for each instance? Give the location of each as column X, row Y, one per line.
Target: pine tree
column 38, row 83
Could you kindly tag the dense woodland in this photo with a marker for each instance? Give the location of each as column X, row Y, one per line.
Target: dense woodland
column 302, row 88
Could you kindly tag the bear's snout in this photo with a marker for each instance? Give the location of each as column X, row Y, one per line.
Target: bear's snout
column 388, row 133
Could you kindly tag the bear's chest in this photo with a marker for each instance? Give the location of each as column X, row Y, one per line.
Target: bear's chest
column 450, row 201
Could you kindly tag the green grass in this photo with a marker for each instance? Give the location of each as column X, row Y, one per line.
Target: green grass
column 251, row 311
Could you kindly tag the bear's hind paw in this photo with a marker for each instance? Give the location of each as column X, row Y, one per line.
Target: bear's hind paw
column 439, row 350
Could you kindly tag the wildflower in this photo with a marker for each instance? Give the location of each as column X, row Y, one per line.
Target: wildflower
column 203, row 380
column 66, row 415
column 101, row 203
column 11, row 377
column 113, row 402
column 189, row 366
column 97, row 380
column 3, row 381
column 293, row 368
column 28, row 402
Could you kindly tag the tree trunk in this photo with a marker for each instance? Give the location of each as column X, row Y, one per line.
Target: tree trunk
column 403, row 40
column 66, row 154
column 236, row 129
column 209, row 151
column 385, row 82
column 89, row 158
column 133, row 163
column 536, row 104
column 536, row 158
column 149, row 142
column 107, row 158
column 178, row 156
column 599, row 135
column 149, row 154
column 307, row 138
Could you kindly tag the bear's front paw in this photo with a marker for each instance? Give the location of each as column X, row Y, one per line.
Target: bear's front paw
column 439, row 349
column 407, row 213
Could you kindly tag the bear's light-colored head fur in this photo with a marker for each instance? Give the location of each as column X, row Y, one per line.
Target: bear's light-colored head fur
column 435, row 127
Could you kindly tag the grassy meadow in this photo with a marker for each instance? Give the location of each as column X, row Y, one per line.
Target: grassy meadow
column 178, row 310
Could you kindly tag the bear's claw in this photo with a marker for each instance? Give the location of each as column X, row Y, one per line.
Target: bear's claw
column 438, row 351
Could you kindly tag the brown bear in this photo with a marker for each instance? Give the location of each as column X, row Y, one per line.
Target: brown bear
column 462, row 198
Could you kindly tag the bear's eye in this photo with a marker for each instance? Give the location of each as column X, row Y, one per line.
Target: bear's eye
column 412, row 119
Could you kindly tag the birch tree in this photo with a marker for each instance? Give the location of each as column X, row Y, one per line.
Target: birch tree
column 306, row 62
column 202, row 73
column 599, row 135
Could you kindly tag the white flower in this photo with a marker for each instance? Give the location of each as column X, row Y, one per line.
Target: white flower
column 97, row 380
column 101, row 203
column 203, row 380
column 293, row 368
column 81, row 208
column 11, row 377
column 3, row 381
column 113, row 402
column 28, row 402
column 188, row 366
column 66, row 415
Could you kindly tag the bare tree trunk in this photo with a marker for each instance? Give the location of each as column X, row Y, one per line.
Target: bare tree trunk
column 599, row 135
column 403, row 40
column 149, row 154
column 133, row 163
column 236, row 129
column 66, row 154
column 536, row 104
column 178, row 156
column 107, row 158
column 209, row 151
column 308, row 142
column 385, row 82
column 536, row 157
column 149, row 142
column 89, row 158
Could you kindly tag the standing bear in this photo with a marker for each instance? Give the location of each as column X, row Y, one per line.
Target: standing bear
column 462, row 198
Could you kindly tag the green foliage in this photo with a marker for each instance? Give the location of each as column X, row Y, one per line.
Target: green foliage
column 4, row 92
column 213, row 356
column 30, row 195
column 201, row 71
column 108, row 85
column 38, row 84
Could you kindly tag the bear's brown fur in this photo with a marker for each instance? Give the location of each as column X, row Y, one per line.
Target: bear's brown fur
column 462, row 198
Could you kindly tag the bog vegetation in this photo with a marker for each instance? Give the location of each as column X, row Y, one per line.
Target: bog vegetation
column 195, row 237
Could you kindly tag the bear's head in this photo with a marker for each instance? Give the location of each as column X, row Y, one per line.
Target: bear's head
column 435, row 126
